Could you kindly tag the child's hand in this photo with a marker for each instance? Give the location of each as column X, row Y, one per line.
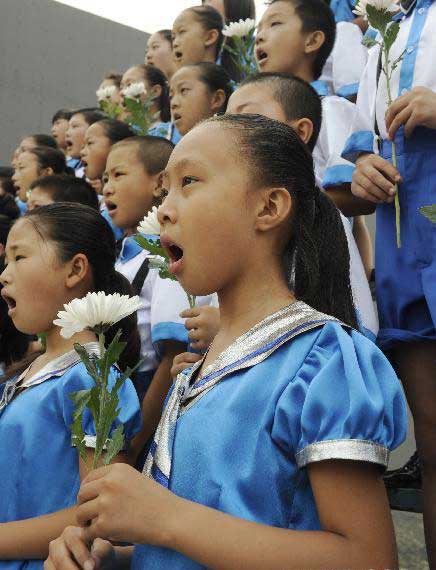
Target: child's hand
column 416, row 107
column 70, row 551
column 182, row 361
column 118, row 503
column 374, row 179
column 203, row 324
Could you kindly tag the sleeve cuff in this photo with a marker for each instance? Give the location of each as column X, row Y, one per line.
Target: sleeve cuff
column 348, row 449
column 169, row 331
column 348, row 91
column 360, row 141
column 339, row 174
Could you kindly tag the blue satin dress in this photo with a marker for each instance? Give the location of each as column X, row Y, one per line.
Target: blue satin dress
column 269, row 406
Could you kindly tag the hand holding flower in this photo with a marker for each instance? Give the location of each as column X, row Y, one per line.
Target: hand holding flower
column 416, row 108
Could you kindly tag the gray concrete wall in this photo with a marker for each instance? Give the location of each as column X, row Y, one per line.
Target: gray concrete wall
column 54, row 56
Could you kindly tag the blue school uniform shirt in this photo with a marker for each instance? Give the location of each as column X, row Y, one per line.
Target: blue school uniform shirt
column 406, row 276
column 22, row 206
column 274, row 402
column 343, row 10
column 38, row 465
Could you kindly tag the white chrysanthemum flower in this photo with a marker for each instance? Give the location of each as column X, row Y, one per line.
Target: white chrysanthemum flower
column 134, row 90
column 150, row 224
column 105, row 92
column 94, row 311
column 381, row 5
column 157, row 262
column 239, row 29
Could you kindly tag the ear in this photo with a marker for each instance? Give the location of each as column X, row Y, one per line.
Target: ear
column 274, row 207
column 314, row 41
column 303, row 128
column 157, row 186
column 47, row 171
column 218, row 100
column 210, row 38
column 157, row 91
column 78, row 271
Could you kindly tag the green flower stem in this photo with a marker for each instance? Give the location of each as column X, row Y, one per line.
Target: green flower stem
column 191, row 299
column 394, row 148
column 102, row 401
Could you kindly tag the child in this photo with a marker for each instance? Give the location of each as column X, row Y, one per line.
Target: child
column 232, row 11
column 405, row 276
column 255, row 450
column 197, row 92
column 75, row 135
column 34, row 163
column 155, row 83
column 40, row 139
column 197, row 36
column 295, row 102
column 133, row 187
column 61, row 188
column 296, row 37
column 59, row 126
column 8, row 205
column 160, row 52
column 99, row 138
column 112, row 79
column 54, row 254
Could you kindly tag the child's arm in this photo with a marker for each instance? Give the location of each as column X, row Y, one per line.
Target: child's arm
column 30, row 538
column 348, row 203
column 155, row 396
column 357, row 530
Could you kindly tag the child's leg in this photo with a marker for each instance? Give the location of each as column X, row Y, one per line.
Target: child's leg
column 416, row 367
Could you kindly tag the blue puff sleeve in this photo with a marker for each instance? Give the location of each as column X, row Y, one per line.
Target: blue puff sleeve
column 130, row 411
column 345, row 402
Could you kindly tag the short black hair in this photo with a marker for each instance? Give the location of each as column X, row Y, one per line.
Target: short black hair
column 152, row 152
column 64, row 188
column 215, row 77
column 91, row 114
column 5, row 226
column 41, row 139
column 297, row 98
column 64, row 114
column 316, row 15
column 6, row 172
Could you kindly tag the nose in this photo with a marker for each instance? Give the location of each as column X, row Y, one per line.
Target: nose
column 14, row 177
column 174, row 103
column 260, row 36
column 4, row 278
column 166, row 213
column 107, row 189
column 83, row 152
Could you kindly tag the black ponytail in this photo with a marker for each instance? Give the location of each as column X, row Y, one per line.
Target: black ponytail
column 316, row 259
column 75, row 228
column 155, row 76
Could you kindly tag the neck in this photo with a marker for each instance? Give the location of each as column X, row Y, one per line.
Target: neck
column 258, row 293
column 303, row 72
column 56, row 345
column 209, row 56
column 154, row 110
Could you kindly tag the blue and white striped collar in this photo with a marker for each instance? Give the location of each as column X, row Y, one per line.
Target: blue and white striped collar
column 321, row 87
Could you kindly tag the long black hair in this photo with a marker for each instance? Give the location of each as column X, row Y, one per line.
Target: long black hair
column 75, row 228
column 215, row 77
column 155, row 76
column 53, row 158
column 316, row 259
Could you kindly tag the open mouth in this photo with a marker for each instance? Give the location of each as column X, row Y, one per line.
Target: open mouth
column 178, row 55
column 261, row 56
column 176, row 117
column 110, row 206
column 175, row 254
column 10, row 302
column 68, row 143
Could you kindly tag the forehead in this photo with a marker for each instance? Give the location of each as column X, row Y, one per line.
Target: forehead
column 184, row 74
column 78, row 120
column 133, row 73
column 155, row 38
column 126, row 153
column 27, row 158
column 210, row 147
column 259, row 99
column 22, row 233
column 280, row 8
column 187, row 17
column 95, row 130
column 107, row 83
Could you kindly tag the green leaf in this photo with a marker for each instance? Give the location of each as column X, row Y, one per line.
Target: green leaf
column 391, row 35
column 114, row 351
column 370, row 42
column 80, row 400
column 115, row 445
column 378, row 19
column 89, row 361
column 429, row 212
column 154, row 247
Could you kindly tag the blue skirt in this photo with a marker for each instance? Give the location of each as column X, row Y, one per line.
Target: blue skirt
column 406, row 276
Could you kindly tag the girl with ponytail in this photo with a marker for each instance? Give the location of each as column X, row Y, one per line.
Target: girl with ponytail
column 54, row 254
column 270, row 449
